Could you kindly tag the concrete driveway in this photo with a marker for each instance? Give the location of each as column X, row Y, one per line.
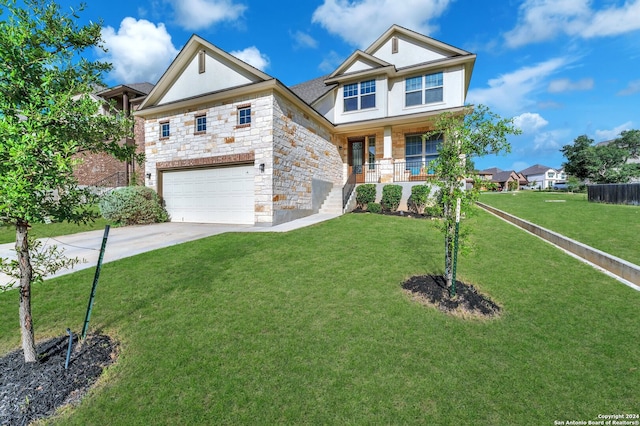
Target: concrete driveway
column 131, row 240
column 124, row 242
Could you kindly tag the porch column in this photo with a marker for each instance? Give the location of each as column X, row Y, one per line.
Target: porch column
column 388, row 151
column 386, row 164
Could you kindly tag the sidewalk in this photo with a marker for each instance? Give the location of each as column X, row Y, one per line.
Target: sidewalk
column 131, row 240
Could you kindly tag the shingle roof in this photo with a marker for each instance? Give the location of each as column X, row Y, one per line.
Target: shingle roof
column 142, row 87
column 502, row 176
column 312, row 90
column 536, row 169
column 490, row 171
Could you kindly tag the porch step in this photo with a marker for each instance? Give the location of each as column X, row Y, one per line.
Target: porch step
column 333, row 203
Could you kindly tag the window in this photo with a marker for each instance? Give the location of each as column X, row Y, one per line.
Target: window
column 360, row 95
column 244, row 116
column 419, row 152
column 201, row 124
column 433, row 89
column 394, row 45
column 351, row 97
column 164, row 130
column 550, row 174
column 368, row 94
column 372, row 152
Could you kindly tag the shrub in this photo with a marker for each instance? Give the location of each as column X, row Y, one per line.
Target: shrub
column 365, row 194
column 374, row 208
column 133, row 205
column 419, row 197
column 391, row 196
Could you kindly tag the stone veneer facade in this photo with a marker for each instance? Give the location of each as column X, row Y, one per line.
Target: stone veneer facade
column 295, row 150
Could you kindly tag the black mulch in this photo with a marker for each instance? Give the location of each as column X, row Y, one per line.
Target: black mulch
column 400, row 213
column 433, row 290
column 34, row 390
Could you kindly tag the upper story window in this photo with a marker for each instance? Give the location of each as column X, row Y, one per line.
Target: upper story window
column 360, row 95
column 550, row 174
column 201, row 124
column 424, row 89
column 244, row 115
column 165, row 130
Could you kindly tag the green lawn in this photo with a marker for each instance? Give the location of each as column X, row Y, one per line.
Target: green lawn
column 611, row 228
column 311, row 327
column 41, row 230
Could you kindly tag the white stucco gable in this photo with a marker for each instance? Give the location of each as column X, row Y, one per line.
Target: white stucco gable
column 404, row 48
column 202, row 68
column 359, row 61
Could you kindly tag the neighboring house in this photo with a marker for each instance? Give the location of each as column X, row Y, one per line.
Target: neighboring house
column 487, row 174
column 103, row 169
column 504, row 178
column 228, row 143
column 541, row 177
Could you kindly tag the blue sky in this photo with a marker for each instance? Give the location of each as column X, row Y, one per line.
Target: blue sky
column 560, row 68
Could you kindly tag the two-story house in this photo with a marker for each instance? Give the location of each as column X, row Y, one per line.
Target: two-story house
column 228, row 143
column 540, row 176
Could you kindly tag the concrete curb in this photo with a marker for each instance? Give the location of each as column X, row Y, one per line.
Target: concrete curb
column 627, row 271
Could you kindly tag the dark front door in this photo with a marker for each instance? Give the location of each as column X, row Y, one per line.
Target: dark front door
column 356, row 158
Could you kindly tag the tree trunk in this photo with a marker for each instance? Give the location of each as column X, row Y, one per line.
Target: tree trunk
column 26, row 272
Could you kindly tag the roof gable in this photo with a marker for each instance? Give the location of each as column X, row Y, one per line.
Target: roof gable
column 184, row 79
column 358, row 62
column 403, row 47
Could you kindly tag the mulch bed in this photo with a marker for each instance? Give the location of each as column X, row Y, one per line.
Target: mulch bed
column 35, row 390
column 399, row 213
column 432, row 290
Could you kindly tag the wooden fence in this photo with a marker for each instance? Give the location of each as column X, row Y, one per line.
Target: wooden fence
column 615, row 193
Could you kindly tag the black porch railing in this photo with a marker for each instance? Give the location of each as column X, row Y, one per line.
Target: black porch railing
column 411, row 171
column 347, row 189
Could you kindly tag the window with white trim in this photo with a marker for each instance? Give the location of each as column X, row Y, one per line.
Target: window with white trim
column 244, row 116
column 165, row 130
column 424, row 89
column 201, row 124
column 420, row 151
column 359, row 95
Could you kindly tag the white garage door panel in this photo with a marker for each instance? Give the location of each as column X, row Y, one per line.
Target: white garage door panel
column 218, row 195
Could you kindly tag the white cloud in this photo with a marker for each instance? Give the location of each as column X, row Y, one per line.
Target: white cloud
column 510, row 93
column 253, row 56
column 605, row 135
column 614, row 21
column 632, row 88
column 360, row 22
column 541, row 20
column 566, row 85
column 304, row 40
column 139, row 50
column 330, row 62
column 199, row 14
column 529, row 122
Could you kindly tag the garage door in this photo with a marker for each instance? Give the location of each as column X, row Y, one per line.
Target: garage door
column 215, row 195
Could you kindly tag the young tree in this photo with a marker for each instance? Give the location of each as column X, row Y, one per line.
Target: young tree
column 46, row 117
column 474, row 132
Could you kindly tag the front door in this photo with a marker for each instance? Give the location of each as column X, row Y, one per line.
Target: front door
column 356, row 158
